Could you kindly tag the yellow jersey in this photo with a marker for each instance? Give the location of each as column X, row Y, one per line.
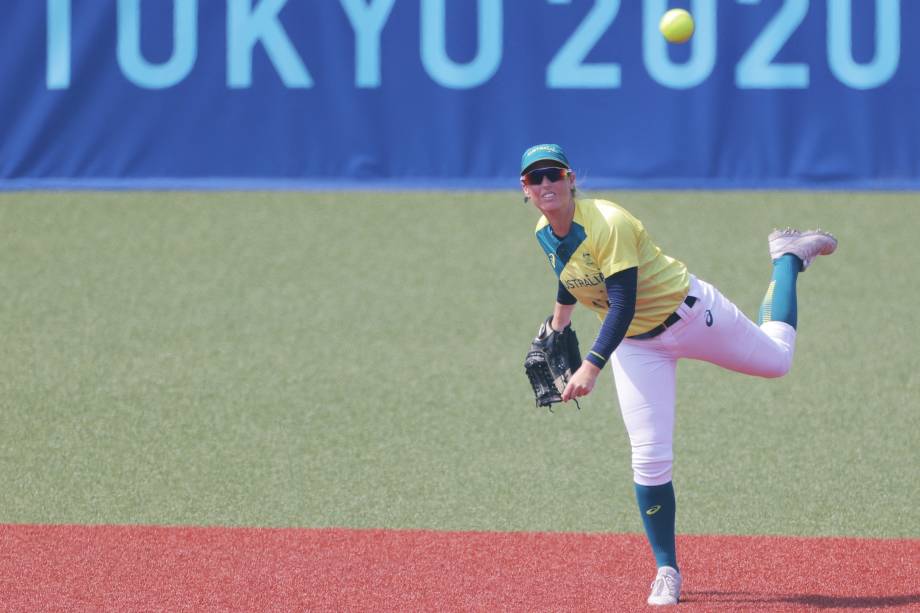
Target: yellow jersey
column 605, row 239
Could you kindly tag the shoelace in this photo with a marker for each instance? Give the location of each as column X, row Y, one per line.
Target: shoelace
column 663, row 584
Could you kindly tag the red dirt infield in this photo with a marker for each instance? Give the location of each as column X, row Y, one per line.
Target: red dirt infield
column 145, row 568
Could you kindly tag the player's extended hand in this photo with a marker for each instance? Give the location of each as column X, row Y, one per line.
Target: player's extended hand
column 582, row 382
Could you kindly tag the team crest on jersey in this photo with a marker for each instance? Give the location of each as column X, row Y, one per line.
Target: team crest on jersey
column 589, row 261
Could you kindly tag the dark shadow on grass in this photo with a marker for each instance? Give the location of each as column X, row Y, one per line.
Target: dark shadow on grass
column 816, row 601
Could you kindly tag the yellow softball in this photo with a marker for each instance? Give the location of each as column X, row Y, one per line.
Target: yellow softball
column 676, row 26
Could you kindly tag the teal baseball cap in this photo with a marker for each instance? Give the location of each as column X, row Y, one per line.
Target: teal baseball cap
column 539, row 153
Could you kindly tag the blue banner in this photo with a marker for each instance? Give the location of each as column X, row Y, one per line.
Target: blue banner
column 767, row 93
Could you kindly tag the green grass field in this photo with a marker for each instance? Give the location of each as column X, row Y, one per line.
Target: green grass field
column 355, row 359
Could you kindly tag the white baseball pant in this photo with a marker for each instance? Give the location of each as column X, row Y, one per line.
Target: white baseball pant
column 713, row 330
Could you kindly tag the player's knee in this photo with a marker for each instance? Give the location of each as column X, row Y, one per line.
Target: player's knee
column 652, row 470
column 778, row 361
column 776, row 368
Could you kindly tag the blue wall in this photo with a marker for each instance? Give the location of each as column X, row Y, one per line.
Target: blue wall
column 769, row 93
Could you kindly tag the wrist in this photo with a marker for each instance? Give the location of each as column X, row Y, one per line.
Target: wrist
column 595, row 361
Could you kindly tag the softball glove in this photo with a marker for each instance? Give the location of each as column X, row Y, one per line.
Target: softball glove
column 549, row 364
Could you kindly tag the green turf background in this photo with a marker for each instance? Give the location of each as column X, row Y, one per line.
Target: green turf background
column 354, row 359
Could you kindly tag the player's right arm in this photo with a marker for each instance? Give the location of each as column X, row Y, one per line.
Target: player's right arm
column 621, row 298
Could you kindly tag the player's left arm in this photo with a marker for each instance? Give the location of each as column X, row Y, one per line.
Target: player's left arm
column 622, row 288
column 562, row 312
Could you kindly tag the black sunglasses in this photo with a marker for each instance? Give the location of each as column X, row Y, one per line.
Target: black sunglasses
column 535, row 177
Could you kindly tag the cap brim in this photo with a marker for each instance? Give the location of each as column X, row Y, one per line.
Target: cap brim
column 546, row 162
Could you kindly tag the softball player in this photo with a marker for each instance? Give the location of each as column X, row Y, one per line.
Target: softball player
column 654, row 312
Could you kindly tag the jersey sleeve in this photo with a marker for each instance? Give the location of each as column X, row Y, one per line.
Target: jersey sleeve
column 563, row 296
column 616, row 244
column 621, row 295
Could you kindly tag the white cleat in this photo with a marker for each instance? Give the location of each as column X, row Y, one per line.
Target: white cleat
column 805, row 245
column 665, row 587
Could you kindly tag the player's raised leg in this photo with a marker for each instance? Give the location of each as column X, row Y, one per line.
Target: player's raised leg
column 718, row 332
column 731, row 340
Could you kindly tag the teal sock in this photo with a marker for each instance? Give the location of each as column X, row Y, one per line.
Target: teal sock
column 779, row 303
column 658, row 507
